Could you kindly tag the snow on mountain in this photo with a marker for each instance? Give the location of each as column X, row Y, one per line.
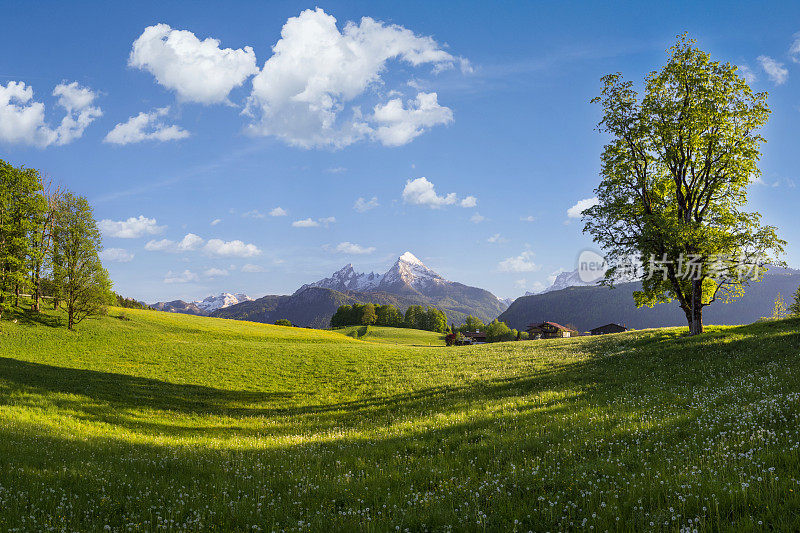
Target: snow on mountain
column 222, row 300
column 412, row 272
column 346, row 279
column 408, row 269
column 564, row 280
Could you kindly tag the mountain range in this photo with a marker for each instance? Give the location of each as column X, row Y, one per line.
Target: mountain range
column 408, row 282
column 203, row 307
column 587, row 307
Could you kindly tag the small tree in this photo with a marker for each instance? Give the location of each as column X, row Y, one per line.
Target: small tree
column 779, row 310
column 87, row 288
column 368, row 316
column 472, row 324
column 283, row 322
column 794, row 309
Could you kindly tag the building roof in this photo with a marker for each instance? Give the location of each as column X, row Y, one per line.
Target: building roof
column 607, row 325
column 475, row 334
column 557, row 326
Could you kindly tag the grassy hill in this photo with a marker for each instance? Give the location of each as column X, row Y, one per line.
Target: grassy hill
column 412, row 337
column 175, row 422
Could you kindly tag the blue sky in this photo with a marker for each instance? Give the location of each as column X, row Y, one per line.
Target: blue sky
column 171, row 135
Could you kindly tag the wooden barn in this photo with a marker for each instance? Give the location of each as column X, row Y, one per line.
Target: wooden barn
column 550, row 330
column 608, row 328
column 475, row 337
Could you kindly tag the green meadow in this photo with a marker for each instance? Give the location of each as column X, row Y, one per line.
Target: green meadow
column 414, row 337
column 148, row 421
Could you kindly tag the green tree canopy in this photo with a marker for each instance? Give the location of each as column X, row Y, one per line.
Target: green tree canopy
column 87, row 288
column 674, row 182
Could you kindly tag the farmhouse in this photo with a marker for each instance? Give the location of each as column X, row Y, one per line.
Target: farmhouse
column 608, row 328
column 550, row 330
column 475, row 337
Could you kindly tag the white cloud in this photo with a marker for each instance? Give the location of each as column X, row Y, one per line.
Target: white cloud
column 198, row 71
column 576, row 211
column 249, row 267
column 145, row 127
column 116, row 255
column 398, row 125
column 363, row 205
column 477, row 218
column 775, row 70
column 521, row 283
column 794, row 49
column 231, row 248
column 180, row 277
column 131, row 228
column 350, row 248
column 529, row 218
column 190, row 242
column 747, row 73
column 327, row 221
column 469, row 201
column 255, row 213
column 278, row 212
column 162, row 245
column 22, row 120
column 305, row 223
column 216, row 221
column 336, row 170
column 422, row 192
column 305, row 93
column 215, row 272
column 496, row 239
column 521, row 263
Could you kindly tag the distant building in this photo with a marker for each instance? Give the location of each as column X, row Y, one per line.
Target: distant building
column 474, row 337
column 608, row 328
column 550, row 330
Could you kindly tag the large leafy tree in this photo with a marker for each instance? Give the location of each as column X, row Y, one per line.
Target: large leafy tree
column 674, row 182
column 20, row 205
column 86, row 288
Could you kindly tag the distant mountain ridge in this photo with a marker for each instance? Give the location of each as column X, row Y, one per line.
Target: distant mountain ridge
column 589, row 307
column 408, row 282
column 203, row 307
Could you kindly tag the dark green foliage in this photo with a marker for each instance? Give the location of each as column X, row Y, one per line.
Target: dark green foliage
column 283, row 322
column 429, row 319
column 128, row 303
column 21, row 205
column 794, row 307
column 472, row 324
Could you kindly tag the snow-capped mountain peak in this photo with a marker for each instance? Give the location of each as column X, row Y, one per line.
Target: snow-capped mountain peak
column 408, row 270
column 222, row 300
column 411, row 271
column 410, row 258
column 347, row 279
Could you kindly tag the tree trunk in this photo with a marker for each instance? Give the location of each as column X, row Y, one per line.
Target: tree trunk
column 16, row 295
column 696, row 319
column 36, row 292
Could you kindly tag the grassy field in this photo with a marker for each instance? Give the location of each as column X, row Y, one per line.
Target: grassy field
column 158, row 421
column 411, row 337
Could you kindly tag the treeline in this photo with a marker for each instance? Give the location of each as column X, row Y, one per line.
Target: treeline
column 49, row 246
column 496, row 331
column 415, row 317
column 129, row 303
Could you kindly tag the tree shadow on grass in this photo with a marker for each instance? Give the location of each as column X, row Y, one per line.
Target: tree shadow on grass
column 32, row 318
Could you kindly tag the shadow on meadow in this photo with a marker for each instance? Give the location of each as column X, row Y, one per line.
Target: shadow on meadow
column 663, row 359
column 573, row 429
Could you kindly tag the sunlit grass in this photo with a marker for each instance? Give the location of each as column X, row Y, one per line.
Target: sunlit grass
column 172, row 422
